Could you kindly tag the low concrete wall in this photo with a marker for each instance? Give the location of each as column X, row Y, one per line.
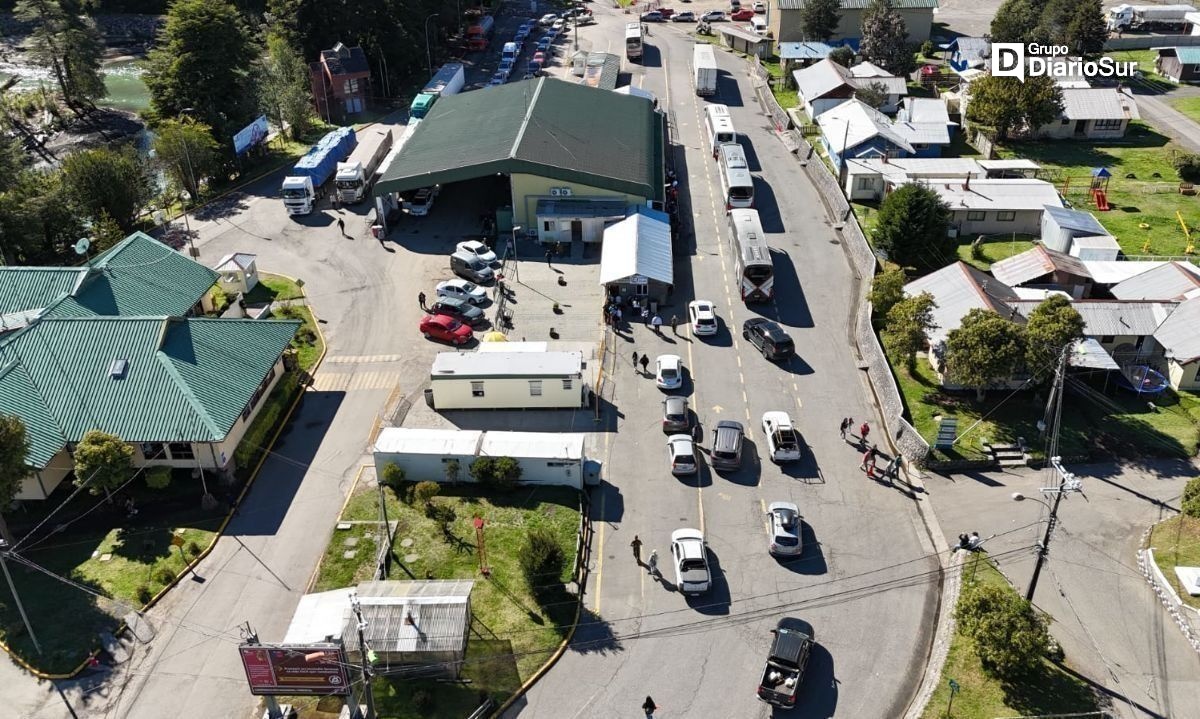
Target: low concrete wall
column 1186, row 618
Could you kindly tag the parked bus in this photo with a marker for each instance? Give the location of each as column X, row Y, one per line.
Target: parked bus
column 752, row 256
column 718, row 125
column 633, row 41
column 737, row 184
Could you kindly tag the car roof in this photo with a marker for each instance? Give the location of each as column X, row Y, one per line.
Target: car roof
column 730, row 424
column 791, row 636
column 791, row 506
column 702, row 305
column 779, row 417
column 440, row 319
column 689, row 539
column 678, row 438
column 452, row 302
column 669, row 360
column 675, row 400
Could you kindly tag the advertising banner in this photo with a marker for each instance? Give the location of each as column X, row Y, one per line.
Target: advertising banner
column 253, row 134
column 316, row 669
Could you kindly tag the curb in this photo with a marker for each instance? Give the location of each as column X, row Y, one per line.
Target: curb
column 562, row 648
column 312, row 579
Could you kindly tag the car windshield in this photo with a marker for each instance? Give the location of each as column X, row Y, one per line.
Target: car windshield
column 669, row 372
column 786, row 540
column 453, row 325
column 467, row 287
column 706, row 321
column 724, row 455
column 675, row 416
column 691, row 565
column 784, row 346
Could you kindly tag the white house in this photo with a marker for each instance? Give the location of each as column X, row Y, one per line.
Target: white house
column 872, row 178
column 823, row 86
column 545, row 457
column 1092, row 113
column 504, row 379
column 991, row 207
column 866, row 74
column 238, row 271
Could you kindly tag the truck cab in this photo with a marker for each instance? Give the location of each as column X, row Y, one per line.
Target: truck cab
column 298, row 195
column 790, row 650
column 421, row 104
column 351, row 181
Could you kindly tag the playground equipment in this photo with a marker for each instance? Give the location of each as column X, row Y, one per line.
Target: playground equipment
column 1142, row 380
column 1099, row 188
column 1191, row 244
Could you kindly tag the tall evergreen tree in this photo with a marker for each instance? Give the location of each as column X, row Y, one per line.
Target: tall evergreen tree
column 819, row 19
column 885, row 39
column 1088, row 31
column 283, row 86
column 66, row 42
column 1015, row 21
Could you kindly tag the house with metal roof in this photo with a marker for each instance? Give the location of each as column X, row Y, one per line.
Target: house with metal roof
column 1181, row 64
column 957, row 289
column 1176, row 281
column 784, row 19
column 544, row 457
column 991, row 207
column 869, row 75
column 803, row 53
column 966, row 52
column 1092, row 113
column 636, row 260
column 239, row 272
column 182, row 391
column 1042, row 268
column 340, row 82
column 1179, row 336
column 823, row 86
column 550, row 138
column 1061, row 225
column 871, row 178
column 854, row 129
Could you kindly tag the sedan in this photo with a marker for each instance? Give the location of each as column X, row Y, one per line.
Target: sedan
column 547, row 19
column 478, row 249
column 559, row 26
column 652, row 16
column 760, row 7
column 460, row 310
column 522, row 34
column 445, row 329
column 689, row 557
column 681, row 455
column 584, row 20
column 544, row 42
column 676, row 416
column 539, row 57
column 497, row 80
column 668, row 372
column 745, row 14
column 703, row 317
column 685, row 16
column 785, row 529
column 506, row 68
column 462, row 290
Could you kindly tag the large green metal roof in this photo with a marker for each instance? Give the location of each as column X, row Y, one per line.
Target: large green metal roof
column 545, row 127
column 33, row 288
column 186, row 379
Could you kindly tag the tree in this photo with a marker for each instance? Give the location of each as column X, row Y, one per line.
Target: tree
column 986, row 348
column 842, row 55
column 1015, row 21
column 1007, row 105
column 887, row 289
column 452, row 469
column 543, row 560
column 873, row 94
column 103, row 462
column 14, row 447
column 908, row 326
column 1191, row 498
column 1052, row 325
column 1010, row 637
column 38, row 223
column 1053, row 20
column 67, row 43
column 116, row 182
column 506, row 472
column 283, row 87
column 12, row 161
column 202, row 64
column 911, row 228
column 819, row 19
column 1088, row 30
column 1041, row 102
column 188, row 153
column 885, row 39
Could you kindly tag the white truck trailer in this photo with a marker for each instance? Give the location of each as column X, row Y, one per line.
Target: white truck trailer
column 704, row 67
column 357, row 174
column 1148, row 17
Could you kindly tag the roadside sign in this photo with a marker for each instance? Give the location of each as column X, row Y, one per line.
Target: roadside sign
column 311, row 669
column 176, row 540
column 953, row 687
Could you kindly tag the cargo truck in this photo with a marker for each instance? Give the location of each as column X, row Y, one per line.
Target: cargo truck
column 449, row 80
column 478, row 34
column 357, row 174
column 704, row 65
column 1148, row 17
column 305, row 183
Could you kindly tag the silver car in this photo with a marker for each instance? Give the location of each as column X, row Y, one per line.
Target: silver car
column 681, row 454
column 785, row 529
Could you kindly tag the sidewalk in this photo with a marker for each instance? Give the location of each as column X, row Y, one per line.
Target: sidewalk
column 1109, row 622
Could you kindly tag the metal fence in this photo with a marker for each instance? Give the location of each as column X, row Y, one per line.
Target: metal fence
column 1145, row 42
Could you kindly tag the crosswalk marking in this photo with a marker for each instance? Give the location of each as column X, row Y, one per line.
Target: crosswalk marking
column 349, row 381
column 362, row 359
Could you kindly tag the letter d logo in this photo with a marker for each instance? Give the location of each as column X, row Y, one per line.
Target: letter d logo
column 1008, row 60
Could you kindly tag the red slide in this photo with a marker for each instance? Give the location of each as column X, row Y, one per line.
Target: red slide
column 1101, row 200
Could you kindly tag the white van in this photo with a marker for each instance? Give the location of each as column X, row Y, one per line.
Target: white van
column 510, row 52
column 759, row 25
column 718, row 125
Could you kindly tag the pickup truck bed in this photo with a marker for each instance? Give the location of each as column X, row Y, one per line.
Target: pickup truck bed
column 784, row 671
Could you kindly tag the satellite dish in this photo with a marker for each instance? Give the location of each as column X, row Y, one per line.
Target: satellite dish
column 82, row 246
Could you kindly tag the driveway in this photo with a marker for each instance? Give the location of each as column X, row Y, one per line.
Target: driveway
column 1108, row 620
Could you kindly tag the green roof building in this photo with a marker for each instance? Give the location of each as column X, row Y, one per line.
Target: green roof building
column 552, row 139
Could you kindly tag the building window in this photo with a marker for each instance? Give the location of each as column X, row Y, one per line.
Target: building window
column 477, row 389
column 566, row 384
column 865, row 183
column 1006, row 216
column 181, row 450
column 351, row 86
column 535, row 388
column 548, row 226
column 1107, row 339
column 258, row 393
column 154, row 450
column 1107, row 124
column 641, row 290
column 976, row 216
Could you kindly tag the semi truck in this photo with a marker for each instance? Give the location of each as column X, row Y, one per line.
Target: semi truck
column 1148, row 17
column 449, row 80
column 704, row 65
column 305, row 183
column 357, row 174
column 478, row 34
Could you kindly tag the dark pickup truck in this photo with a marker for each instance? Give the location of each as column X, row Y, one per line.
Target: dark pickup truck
column 790, row 650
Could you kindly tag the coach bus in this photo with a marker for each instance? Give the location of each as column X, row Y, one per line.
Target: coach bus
column 633, row 41
column 737, row 184
column 718, row 125
column 752, row 256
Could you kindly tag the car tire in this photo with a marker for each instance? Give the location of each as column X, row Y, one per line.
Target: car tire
column 426, row 335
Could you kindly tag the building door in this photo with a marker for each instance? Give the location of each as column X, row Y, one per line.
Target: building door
column 1080, row 127
column 576, row 230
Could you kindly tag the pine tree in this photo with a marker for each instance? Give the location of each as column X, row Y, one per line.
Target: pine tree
column 69, row 45
column 283, row 87
column 885, row 39
column 819, row 19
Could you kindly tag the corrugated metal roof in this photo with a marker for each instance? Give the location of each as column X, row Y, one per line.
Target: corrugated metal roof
column 35, row 288
column 424, row 590
column 925, row 109
column 923, row 133
column 1188, row 55
column 541, row 445
column 601, row 69
column 804, row 50
column 1098, row 103
column 1035, row 262
column 440, row 627
column 1110, row 272
column 1011, row 164
column 902, row 169
column 864, row 4
column 957, row 289
column 821, row 78
column 185, row 380
column 580, row 208
column 637, row 245
column 743, row 32
column 236, row 261
column 852, row 123
column 1013, row 194
column 498, row 363
column 1076, row 220
column 1179, row 334
column 1090, row 354
column 20, row 397
column 1113, row 317
column 975, row 51
column 445, row 442
column 544, row 127
column 1171, row 281
column 890, row 85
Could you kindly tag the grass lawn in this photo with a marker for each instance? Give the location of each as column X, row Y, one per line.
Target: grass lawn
column 1144, row 199
column 1088, row 428
column 1189, row 106
column 1049, row 691
column 993, row 249
column 274, row 287
column 307, row 341
column 67, row 619
column 508, row 619
column 1177, row 542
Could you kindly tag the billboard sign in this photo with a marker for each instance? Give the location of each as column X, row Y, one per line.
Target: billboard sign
column 311, row 669
column 253, row 134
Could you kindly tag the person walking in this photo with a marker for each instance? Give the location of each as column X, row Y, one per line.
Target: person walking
column 421, row 300
column 674, row 324
column 892, row 468
column 645, row 363
column 342, row 227
column 618, row 315
column 844, row 426
column 652, row 564
column 697, row 434
column 637, row 549
column 649, row 707
column 863, row 431
column 635, row 359
column 549, row 254
column 645, row 315
column 867, row 458
column 656, row 323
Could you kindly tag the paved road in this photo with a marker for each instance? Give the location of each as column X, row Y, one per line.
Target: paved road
column 1155, row 108
column 640, row 637
column 1106, row 617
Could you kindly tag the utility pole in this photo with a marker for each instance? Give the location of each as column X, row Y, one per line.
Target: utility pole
column 367, row 674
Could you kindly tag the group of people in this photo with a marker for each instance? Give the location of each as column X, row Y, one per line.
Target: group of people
column 871, row 453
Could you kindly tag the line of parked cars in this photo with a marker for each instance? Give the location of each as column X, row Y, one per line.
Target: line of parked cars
column 456, row 310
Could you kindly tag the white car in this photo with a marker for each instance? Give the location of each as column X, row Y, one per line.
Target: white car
column 785, row 529
column 547, row 19
column 681, row 454
column 559, row 26
column 760, row 7
column 703, row 317
column 477, row 249
column 689, row 557
column 462, row 290
column 668, row 372
column 783, row 441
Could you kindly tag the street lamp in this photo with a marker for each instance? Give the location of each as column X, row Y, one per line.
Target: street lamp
column 1067, row 483
column 428, row 54
column 184, row 196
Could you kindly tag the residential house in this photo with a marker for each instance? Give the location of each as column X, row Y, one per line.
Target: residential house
column 802, row 54
column 995, row 207
column 958, row 289
column 1061, row 226
column 1181, row 64
column 872, row 178
column 966, row 52
column 1179, row 336
column 1176, row 281
column 854, row 129
column 925, row 123
column 866, row 74
column 340, row 82
column 784, row 19
column 1043, row 268
column 1092, row 113
column 823, row 86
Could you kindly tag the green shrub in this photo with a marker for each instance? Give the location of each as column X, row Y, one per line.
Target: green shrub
column 1188, row 166
column 496, row 472
column 392, row 477
column 164, row 576
column 453, row 470
column 542, row 561
column 1191, row 498
column 927, row 49
column 481, row 469
column 1010, row 636
column 192, row 549
column 158, row 477
column 143, row 594
column 424, row 492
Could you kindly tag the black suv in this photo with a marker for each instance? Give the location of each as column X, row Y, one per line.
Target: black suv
column 464, row 312
column 769, row 338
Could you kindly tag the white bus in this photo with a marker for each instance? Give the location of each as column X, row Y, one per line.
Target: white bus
column 718, row 125
column 737, row 184
column 752, row 256
column 633, row 41
column 704, row 69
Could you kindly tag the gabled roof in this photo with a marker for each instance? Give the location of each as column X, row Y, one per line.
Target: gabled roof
column 1171, row 281
column 957, row 289
column 1075, row 220
column 1179, row 334
column 545, row 127
column 868, row 69
column 1186, row 55
column 890, row 85
column 236, row 261
column 804, row 50
column 1036, row 262
column 924, row 109
column 923, row 133
column 35, row 288
column 638, row 245
column 342, row 60
column 1098, row 103
column 184, row 379
column 988, row 194
column 1114, row 317
column 821, row 79
column 853, row 122
column 975, row 51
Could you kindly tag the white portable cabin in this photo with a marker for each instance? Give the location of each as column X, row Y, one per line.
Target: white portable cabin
column 500, row 379
column 549, row 458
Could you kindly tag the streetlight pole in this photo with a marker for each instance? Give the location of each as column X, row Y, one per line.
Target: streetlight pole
column 1067, row 482
column 428, row 53
column 367, row 674
column 187, row 156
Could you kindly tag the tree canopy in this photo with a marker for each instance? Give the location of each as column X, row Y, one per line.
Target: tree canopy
column 103, row 462
column 1078, row 25
column 908, row 324
column 842, row 55
column 283, row 86
column 885, row 39
column 819, row 19
column 115, row 182
column 187, row 152
column 985, row 349
column 911, row 228
column 14, row 447
column 67, row 43
column 1052, row 325
column 1008, row 105
column 887, row 289
column 1015, row 21
column 1010, row 637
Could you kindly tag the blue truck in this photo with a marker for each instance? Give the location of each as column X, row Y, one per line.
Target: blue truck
column 303, row 184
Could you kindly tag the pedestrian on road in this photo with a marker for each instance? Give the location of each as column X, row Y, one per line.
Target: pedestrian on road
column 844, row 426
column 645, row 363
column 863, row 431
column 421, row 300
column 637, row 549
column 649, row 707
column 892, row 468
column 656, row 323
column 635, row 359
column 618, row 316
column 548, row 255
column 342, row 227
column 697, row 434
column 645, row 315
column 674, row 324
column 653, row 563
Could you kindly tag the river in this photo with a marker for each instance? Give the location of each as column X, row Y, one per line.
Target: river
column 122, row 77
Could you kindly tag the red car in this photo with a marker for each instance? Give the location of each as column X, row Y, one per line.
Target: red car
column 743, row 14
column 446, row 329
